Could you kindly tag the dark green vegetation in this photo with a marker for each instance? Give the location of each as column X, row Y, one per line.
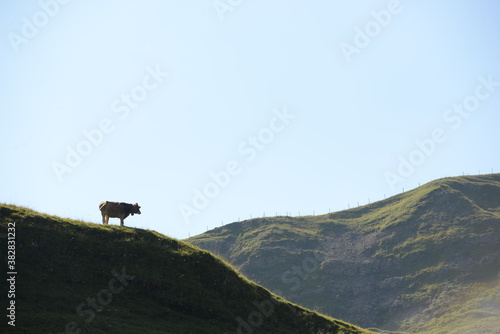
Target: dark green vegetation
column 76, row 277
column 424, row 261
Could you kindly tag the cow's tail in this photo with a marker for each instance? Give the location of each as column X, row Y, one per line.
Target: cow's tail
column 102, row 205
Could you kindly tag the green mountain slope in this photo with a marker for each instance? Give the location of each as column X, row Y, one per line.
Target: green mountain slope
column 423, row 261
column 76, row 277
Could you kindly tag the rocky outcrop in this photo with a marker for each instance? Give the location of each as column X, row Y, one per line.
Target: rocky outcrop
column 396, row 264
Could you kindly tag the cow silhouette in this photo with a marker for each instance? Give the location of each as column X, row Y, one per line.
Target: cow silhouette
column 118, row 210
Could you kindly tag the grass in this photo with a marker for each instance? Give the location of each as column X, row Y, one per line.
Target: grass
column 410, row 263
column 172, row 287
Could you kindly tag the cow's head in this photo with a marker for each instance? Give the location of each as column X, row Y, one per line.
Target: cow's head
column 136, row 209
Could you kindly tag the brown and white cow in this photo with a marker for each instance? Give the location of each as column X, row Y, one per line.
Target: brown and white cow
column 117, row 210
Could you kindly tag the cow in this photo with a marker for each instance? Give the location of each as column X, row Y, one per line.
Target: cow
column 117, row 210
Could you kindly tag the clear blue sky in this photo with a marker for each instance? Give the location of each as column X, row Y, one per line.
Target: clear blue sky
column 306, row 106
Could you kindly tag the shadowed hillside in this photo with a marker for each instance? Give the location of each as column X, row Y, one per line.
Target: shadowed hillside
column 423, row 261
column 76, row 277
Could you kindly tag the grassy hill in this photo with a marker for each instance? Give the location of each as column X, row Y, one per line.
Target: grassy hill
column 76, row 277
column 423, row 261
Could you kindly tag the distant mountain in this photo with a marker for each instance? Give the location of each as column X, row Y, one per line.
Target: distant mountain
column 75, row 277
column 424, row 261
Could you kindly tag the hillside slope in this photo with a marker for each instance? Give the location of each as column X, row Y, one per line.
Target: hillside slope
column 76, row 277
column 423, row 261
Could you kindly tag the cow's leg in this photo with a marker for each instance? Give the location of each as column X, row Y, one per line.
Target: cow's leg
column 107, row 219
column 103, row 219
column 121, row 221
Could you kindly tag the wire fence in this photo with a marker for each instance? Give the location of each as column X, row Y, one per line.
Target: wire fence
column 289, row 214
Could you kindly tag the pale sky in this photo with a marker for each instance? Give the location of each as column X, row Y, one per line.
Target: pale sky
column 209, row 112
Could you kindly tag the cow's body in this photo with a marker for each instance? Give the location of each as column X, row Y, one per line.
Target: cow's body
column 118, row 210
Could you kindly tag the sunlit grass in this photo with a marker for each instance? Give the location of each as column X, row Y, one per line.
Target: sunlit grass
column 435, row 236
